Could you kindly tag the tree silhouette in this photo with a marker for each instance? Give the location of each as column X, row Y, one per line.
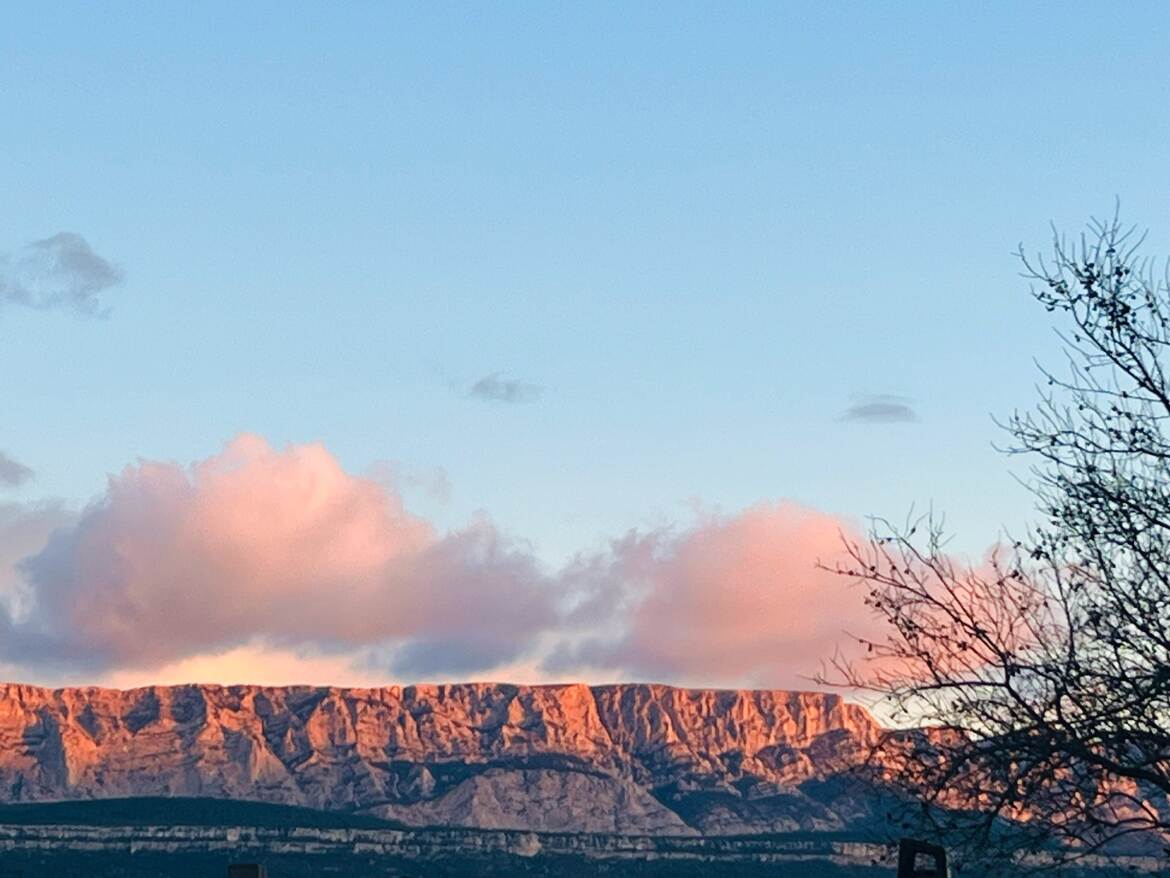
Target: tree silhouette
column 1042, row 676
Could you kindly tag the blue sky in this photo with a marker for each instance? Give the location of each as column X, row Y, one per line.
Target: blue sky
column 699, row 231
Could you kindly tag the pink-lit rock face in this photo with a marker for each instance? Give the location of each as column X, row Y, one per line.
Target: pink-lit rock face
column 622, row 758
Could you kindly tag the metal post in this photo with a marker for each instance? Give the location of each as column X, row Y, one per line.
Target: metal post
column 912, row 853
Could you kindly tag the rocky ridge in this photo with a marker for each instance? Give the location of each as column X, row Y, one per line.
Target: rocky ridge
column 625, row 759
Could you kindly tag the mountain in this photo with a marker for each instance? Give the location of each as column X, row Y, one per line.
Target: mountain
column 625, row 759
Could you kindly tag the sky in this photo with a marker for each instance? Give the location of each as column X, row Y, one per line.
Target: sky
column 383, row 342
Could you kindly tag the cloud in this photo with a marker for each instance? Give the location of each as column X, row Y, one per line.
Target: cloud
column 493, row 388
column 882, row 408
column 277, row 546
column 13, row 473
column 732, row 601
column 25, row 528
column 62, row 271
column 278, row 564
column 461, row 655
column 433, row 482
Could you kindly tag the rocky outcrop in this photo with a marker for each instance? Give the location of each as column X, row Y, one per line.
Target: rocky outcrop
column 633, row 759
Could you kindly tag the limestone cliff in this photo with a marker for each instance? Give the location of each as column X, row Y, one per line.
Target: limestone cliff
column 617, row 759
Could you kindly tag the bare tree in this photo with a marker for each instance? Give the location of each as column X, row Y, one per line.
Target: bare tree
column 1043, row 674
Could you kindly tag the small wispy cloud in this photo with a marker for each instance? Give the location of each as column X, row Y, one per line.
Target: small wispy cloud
column 61, row 271
column 494, row 388
column 396, row 476
column 882, row 408
column 13, row 473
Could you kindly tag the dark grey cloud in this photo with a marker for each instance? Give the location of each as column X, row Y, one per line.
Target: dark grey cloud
column 463, row 654
column 13, row 473
column 882, row 408
column 62, row 271
column 24, row 530
column 493, row 388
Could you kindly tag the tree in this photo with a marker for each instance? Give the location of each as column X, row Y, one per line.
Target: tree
column 1042, row 676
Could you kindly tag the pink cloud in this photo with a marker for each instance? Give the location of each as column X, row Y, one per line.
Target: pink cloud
column 280, row 562
column 733, row 601
column 281, row 545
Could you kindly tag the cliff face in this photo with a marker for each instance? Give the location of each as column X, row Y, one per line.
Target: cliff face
column 618, row 759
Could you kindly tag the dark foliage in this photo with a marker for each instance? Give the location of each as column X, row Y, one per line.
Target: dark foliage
column 179, row 811
column 64, row 864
